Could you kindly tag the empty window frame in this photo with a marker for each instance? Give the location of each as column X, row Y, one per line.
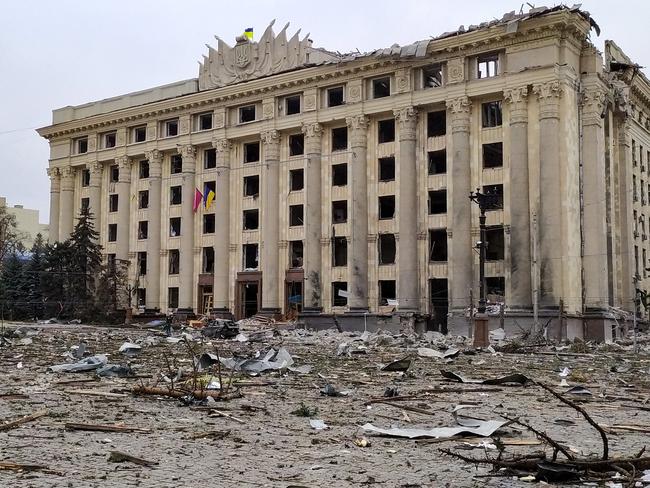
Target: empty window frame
column 139, row 134
column 493, row 155
column 386, row 131
column 491, row 114
column 387, row 168
column 496, row 194
column 432, row 76
column 438, row 162
column 114, row 175
column 437, row 202
column 487, row 65
column 339, row 139
column 339, row 211
column 210, row 159
column 174, row 261
column 339, row 251
column 110, row 262
column 387, row 292
column 142, row 263
column 112, row 232
column 339, row 174
column 335, row 96
column 339, row 293
column 252, row 152
column 250, row 256
column 172, row 297
column 296, row 179
column 251, row 219
column 386, row 207
column 387, row 248
column 141, row 297
column 204, row 121
column 80, row 146
column 207, row 261
column 109, row 140
column 436, row 123
column 85, row 177
column 208, row 223
column 113, row 202
column 296, row 215
column 247, row 114
column 296, row 144
column 292, row 105
column 143, row 229
column 175, row 195
column 495, row 285
column 380, row 87
column 174, row 227
column 295, row 254
column 143, row 199
column 85, row 203
column 251, row 185
column 170, row 127
column 176, row 164
column 437, row 245
column 143, row 170
column 494, row 237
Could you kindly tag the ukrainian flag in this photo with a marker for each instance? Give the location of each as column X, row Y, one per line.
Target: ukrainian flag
column 249, row 33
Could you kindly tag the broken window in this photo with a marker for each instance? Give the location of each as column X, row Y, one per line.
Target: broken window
column 251, row 185
column 495, row 285
column 85, row 203
column 174, row 227
column 142, row 297
column 251, row 219
column 109, row 140
column 381, row 87
column 171, row 128
column 292, row 104
column 339, row 251
column 295, row 254
column 438, row 245
column 176, row 164
column 175, row 195
column 143, row 170
column 142, row 263
column 387, row 168
column 81, row 145
column 207, row 265
column 115, row 173
column 252, row 152
column 493, row 155
column 174, row 261
column 339, row 293
column 205, row 121
column 386, row 130
column 296, row 179
column 335, row 96
column 487, row 65
column 85, row 177
column 246, row 114
column 387, row 248
column 491, row 114
column 339, row 211
column 339, row 139
column 387, row 292
column 438, row 162
column 432, row 76
column 437, row 202
column 250, row 252
column 143, row 199
column 496, row 192
column 296, row 144
column 210, row 158
column 494, row 238
column 112, row 203
column 172, row 297
column 139, row 134
column 436, row 123
column 645, row 270
column 208, row 223
column 143, row 229
column 340, row 174
column 296, row 215
column 387, row 207
column 112, row 232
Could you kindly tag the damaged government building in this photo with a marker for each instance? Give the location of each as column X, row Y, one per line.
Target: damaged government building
column 287, row 178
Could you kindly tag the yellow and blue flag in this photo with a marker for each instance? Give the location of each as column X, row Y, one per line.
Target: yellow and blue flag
column 249, row 33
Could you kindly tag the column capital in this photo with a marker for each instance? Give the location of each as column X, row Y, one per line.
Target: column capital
column 312, row 130
column 407, row 119
column 270, row 137
column 358, row 123
column 594, row 102
column 124, row 164
column 548, row 95
column 221, row 145
column 55, row 180
column 67, row 177
column 188, row 152
column 460, row 109
column 53, row 173
column 153, row 156
column 517, row 98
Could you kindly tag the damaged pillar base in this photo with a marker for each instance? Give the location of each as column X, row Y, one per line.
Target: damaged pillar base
column 222, row 313
column 481, row 330
column 458, row 323
column 272, row 313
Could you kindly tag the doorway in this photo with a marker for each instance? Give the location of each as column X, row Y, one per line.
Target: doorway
column 248, row 298
column 439, row 296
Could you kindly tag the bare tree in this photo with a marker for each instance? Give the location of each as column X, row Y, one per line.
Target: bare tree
column 10, row 238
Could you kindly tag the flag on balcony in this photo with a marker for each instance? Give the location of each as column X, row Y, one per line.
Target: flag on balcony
column 208, row 197
column 198, row 198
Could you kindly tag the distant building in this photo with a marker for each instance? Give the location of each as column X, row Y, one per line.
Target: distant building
column 28, row 224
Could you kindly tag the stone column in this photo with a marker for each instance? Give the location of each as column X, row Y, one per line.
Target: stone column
column 594, row 203
column 222, row 280
column 66, row 219
column 153, row 229
column 408, row 291
column 313, row 218
column 123, row 208
column 95, row 193
column 460, row 217
column 55, row 198
column 187, row 284
column 550, row 206
column 358, row 281
column 520, row 256
column 625, row 250
column 270, row 222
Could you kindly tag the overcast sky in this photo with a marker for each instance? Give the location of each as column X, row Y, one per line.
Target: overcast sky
column 64, row 52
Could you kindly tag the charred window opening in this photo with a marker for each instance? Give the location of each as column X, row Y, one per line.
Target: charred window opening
column 296, row 215
column 339, row 139
column 295, row 254
column 142, row 297
column 495, row 243
column 251, row 186
column 85, row 203
column 246, row 114
column 339, row 251
column 387, row 207
column 144, row 170
column 381, row 87
column 432, row 76
column 208, row 260
column 210, row 158
column 386, row 131
column 171, row 128
column 496, row 191
column 296, row 144
column 176, row 165
column 436, row 123
column 115, row 173
column 251, row 219
column 340, row 174
column 487, row 65
column 143, row 199
column 496, row 286
column 493, row 155
column 174, row 261
column 109, row 140
column 437, row 202
column 175, row 195
column 205, row 121
column 172, row 297
column 335, row 96
column 110, row 262
column 387, row 292
column 143, row 229
column 251, row 152
column 438, row 245
column 139, row 134
column 339, row 293
column 85, row 177
column 387, row 248
column 251, row 254
column 174, row 227
column 296, row 179
column 113, row 203
column 387, row 169
column 112, row 232
column 492, row 114
column 208, row 224
column 292, row 104
column 142, row 263
column 438, row 162
column 339, row 211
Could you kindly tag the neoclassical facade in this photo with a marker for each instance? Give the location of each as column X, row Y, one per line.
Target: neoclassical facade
column 341, row 182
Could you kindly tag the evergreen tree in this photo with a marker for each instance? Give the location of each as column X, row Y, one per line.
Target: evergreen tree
column 55, row 279
column 34, row 270
column 12, row 291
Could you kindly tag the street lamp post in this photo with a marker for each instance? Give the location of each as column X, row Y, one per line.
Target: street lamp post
column 485, row 201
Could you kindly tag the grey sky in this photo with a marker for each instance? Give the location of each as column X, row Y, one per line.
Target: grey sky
column 64, row 52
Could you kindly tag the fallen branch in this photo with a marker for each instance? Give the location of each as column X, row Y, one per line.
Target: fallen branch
column 104, row 428
column 107, row 394
column 121, row 457
column 556, row 446
column 173, row 393
column 27, row 418
column 219, row 413
column 9, row 466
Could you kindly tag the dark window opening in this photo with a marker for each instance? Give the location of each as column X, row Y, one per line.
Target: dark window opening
column 387, row 207
column 339, row 293
column 210, row 158
column 115, row 173
column 175, row 195
column 386, row 131
column 335, row 96
column 387, row 169
column 251, row 186
column 295, row 253
column 174, row 227
column 143, row 170
column 111, row 259
column 142, row 263
column 246, row 114
column 208, row 223
column 251, row 152
column 112, row 232
column 339, row 251
column 493, row 155
column 143, row 199
column 381, row 87
column 113, row 203
column 438, row 162
column 437, row 202
column 172, row 297
column 487, row 65
column 495, row 243
column 139, row 134
column 85, row 177
column 436, row 123
column 109, row 140
column 296, row 215
column 339, row 211
column 339, row 139
column 142, row 297
column 207, row 265
column 85, row 203
column 251, row 256
column 292, row 104
column 209, row 186
column 387, row 292
column 296, row 144
column 296, row 179
column 176, row 165
column 496, row 192
column 82, row 145
column 174, row 261
column 143, row 229
column 387, row 248
column 171, row 128
column 340, row 174
column 492, row 114
column 438, row 245
column 432, row 76
column 496, row 286
column 205, row 121
column 251, row 219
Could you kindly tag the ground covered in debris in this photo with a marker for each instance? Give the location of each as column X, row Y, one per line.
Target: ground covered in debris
column 301, row 418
